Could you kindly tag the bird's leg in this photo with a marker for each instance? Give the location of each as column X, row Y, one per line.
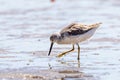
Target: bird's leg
column 78, row 51
column 60, row 55
column 78, row 63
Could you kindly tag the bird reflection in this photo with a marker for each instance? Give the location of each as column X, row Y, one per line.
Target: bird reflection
column 67, row 63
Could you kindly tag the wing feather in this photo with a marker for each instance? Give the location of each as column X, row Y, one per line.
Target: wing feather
column 77, row 29
column 74, row 29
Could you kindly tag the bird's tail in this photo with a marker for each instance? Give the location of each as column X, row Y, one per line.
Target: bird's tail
column 95, row 25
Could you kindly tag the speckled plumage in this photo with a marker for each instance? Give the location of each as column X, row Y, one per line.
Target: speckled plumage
column 75, row 33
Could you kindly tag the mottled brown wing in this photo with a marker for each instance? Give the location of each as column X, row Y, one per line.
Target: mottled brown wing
column 76, row 29
column 67, row 28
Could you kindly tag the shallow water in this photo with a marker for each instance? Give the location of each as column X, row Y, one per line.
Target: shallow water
column 25, row 27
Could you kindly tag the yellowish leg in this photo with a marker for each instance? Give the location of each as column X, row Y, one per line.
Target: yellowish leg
column 78, row 52
column 60, row 55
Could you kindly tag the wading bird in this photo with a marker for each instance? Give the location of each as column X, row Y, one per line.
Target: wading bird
column 73, row 34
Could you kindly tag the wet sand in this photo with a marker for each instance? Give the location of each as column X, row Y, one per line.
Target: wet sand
column 24, row 40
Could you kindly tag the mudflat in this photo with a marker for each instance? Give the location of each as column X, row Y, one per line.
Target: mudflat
column 25, row 27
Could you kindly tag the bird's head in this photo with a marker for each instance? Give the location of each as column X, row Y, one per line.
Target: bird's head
column 53, row 38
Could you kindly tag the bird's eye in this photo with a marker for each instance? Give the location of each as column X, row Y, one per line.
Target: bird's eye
column 53, row 37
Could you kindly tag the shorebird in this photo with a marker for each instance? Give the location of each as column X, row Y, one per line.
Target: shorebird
column 73, row 34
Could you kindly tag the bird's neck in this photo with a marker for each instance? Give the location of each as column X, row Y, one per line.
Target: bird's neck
column 59, row 39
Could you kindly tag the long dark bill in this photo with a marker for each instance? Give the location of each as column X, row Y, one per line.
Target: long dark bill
column 50, row 48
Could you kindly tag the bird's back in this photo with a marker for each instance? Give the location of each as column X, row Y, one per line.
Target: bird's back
column 77, row 28
column 81, row 26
